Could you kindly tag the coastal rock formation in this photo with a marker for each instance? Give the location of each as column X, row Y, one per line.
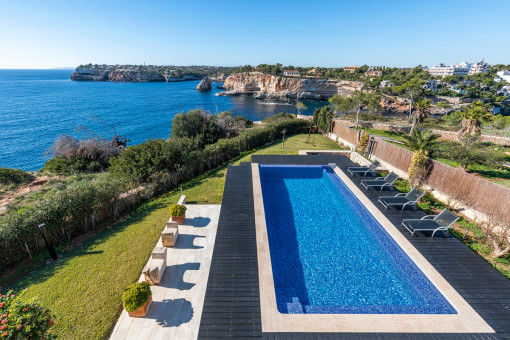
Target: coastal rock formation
column 266, row 86
column 394, row 105
column 204, row 85
column 169, row 78
column 219, row 77
column 115, row 75
column 141, row 77
column 90, row 74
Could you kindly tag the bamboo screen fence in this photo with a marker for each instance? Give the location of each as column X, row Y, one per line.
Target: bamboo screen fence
column 475, row 192
column 345, row 132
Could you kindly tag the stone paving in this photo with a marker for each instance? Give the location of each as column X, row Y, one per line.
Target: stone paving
column 178, row 300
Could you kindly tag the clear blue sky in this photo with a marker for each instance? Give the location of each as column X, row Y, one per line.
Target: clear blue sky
column 46, row 34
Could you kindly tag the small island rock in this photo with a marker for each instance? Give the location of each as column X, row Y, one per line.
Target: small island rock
column 204, row 85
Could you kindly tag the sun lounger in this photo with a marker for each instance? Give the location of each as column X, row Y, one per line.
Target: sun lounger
column 434, row 223
column 363, row 170
column 381, row 182
column 402, row 200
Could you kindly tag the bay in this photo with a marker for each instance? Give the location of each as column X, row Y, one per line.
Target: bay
column 36, row 106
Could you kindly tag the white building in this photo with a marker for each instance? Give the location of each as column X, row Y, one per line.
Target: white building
column 433, row 85
column 462, row 69
column 385, row 83
column 505, row 91
column 373, row 68
column 293, row 73
column 479, row 67
column 504, row 75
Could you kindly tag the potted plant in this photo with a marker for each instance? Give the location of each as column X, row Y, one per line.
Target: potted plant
column 178, row 213
column 137, row 298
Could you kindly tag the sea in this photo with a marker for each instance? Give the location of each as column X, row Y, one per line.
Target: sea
column 37, row 106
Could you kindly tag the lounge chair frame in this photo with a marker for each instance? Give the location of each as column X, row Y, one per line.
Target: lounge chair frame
column 412, row 196
column 364, row 170
column 380, row 182
column 443, row 221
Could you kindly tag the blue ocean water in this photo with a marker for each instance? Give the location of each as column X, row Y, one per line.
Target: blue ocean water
column 330, row 256
column 36, row 106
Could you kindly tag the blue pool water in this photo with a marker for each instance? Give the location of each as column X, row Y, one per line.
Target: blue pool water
column 330, row 255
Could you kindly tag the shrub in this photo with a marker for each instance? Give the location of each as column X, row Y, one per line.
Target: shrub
column 136, row 295
column 94, row 150
column 279, row 116
column 499, row 122
column 68, row 166
column 363, row 141
column 24, row 319
column 231, row 126
column 419, row 168
column 177, row 210
column 452, row 119
column 140, row 162
column 198, row 125
column 14, row 176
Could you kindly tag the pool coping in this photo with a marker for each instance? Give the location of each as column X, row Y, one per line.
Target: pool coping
column 466, row 321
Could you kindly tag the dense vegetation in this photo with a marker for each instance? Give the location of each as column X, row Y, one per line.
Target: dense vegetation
column 199, row 142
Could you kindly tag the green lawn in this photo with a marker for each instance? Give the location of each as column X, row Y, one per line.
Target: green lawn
column 84, row 288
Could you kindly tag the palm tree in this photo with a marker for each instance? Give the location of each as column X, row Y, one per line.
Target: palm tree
column 421, row 111
column 473, row 115
column 420, row 140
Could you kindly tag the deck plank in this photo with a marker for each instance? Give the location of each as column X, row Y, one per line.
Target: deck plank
column 232, row 305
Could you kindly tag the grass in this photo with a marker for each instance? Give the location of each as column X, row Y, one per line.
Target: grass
column 385, row 133
column 84, row 288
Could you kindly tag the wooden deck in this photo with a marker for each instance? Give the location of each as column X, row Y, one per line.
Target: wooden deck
column 232, row 306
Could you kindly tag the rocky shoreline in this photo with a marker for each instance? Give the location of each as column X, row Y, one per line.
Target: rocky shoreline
column 266, row 86
column 126, row 76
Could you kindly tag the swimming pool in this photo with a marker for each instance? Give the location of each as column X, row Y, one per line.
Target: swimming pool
column 329, row 255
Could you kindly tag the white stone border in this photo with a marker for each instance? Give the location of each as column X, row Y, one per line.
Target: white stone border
column 466, row 321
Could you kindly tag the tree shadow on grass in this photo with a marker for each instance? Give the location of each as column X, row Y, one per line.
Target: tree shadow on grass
column 171, row 313
column 174, row 276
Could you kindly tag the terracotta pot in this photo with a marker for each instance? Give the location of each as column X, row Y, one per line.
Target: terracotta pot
column 179, row 219
column 142, row 311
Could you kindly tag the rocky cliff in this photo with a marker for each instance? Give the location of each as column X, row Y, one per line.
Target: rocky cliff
column 140, row 77
column 204, row 85
column 219, row 77
column 123, row 75
column 263, row 86
column 90, row 74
